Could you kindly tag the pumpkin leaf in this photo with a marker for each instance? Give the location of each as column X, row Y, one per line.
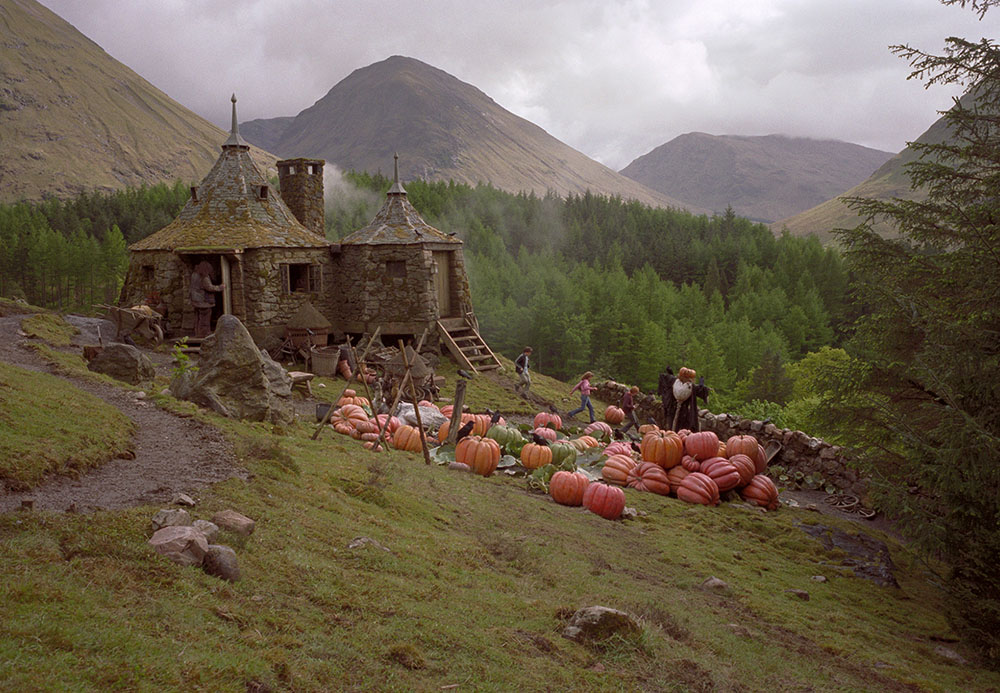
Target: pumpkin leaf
column 442, row 454
column 507, row 461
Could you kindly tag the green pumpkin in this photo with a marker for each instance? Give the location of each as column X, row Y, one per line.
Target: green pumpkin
column 563, row 454
column 509, row 439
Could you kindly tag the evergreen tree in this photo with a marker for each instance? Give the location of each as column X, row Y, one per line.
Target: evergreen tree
column 925, row 399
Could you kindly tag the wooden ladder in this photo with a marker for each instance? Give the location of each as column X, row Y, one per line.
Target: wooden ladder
column 467, row 346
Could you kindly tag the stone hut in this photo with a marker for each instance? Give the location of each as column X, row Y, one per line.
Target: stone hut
column 402, row 274
column 270, row 259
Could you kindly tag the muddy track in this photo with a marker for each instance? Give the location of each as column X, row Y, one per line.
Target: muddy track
column 173, row 454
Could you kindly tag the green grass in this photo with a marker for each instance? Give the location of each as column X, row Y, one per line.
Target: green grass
column 478, row 581
column 49, row 327
column 49, row 426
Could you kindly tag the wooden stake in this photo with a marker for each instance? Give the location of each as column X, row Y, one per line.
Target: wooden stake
column 456, row 411
column 416, row 405
column 395, row 402
column 329, row 412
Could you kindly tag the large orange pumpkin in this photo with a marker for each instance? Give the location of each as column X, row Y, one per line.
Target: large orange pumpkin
column 691, row 464
column 662, row 447
column 567, row 488
column 646, row 428
column 649, row 476
column 548, row 433
column 394, row 422
column 617, row 469
column 702, row 446
column 619, row 447
column 407, row 438
column 606, row 501
column 598, row 429
column 761, row 491
column 614, row 415
column 698, row 488
column 534, row 456
column 742, row 445
column 675, row 475
column 545, row 419
column 481, row 424
column 481, row 454
column 760, row 464
column 350, row 413
column 722, row 472
column 584, row 442
column 744, row 465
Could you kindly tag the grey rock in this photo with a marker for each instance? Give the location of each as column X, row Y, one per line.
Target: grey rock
column 183, row 499
column 950, row 654
column 714, row 584
column 170, row 517
column 360, row 542
column 123, row 362
column 234, row 522
column 818, row 578
column 800, row 594
column 209, row 529
column 596, row 623
column 234, row 379
column 220, row 561
column 182, row 545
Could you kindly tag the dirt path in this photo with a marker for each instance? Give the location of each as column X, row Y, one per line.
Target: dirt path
column 172, row 454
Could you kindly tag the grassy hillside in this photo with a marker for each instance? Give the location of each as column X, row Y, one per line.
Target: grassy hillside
column 468, row 588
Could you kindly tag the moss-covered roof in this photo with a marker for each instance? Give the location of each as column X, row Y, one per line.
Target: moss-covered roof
column 398, row 222
column 307, row 317
column 228, row 211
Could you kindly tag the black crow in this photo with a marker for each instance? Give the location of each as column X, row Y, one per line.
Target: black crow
column 617, row 434
column 635, row 446
column 538, row 439
column 494, row 418
column 464, row 431
column 465, row 374
column 551, row 408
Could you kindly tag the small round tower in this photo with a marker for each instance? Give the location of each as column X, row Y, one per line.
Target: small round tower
column 301, row 182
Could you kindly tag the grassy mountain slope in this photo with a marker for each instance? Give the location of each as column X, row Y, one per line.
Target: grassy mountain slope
column 442, row 129
column 72, row 118
column 888, row 181
column 763, row 178
column 469, row 585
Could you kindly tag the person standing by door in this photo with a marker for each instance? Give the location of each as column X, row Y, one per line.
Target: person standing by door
column 203, row 298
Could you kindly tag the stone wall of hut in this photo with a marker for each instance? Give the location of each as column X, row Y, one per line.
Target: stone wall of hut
column 160, row 271
column 801, row 455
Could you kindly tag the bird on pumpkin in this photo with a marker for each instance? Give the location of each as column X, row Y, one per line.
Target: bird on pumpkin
column 538, row 440
column 635, row 446
column 494, row 417
column 464, row 431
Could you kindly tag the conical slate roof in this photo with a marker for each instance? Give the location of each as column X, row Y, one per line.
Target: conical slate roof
column 398, row 222
column 229, row 210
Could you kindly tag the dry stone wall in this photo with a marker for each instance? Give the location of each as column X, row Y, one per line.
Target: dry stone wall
column 800, row 452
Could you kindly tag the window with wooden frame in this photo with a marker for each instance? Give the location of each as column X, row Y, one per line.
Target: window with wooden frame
column 301, row 277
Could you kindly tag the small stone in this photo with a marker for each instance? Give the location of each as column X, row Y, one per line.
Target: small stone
column 801, row 594
column 234, row 522
column 170, row 517
column 209, row 529
column 950, row 654
column 596, row 623
column 629, row 513
column 739, row 630
column 818, row 578
column 714, row 584
column 359, row 542
column 182, row 545
column 183, row 499
column 220, row 561
column 737, row 555
column 459, row 467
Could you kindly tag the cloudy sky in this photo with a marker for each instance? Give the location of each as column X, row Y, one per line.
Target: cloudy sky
column 612, row 78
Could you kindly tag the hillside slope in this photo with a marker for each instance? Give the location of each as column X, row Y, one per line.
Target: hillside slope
column 72, row 118
column 888, row 181
column 443, row 129
column 762, row 178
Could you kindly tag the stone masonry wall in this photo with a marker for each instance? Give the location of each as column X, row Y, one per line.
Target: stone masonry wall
column 800, row 452
column 301, row 183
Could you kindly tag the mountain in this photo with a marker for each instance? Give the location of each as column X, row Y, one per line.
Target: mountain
column 762, row 178
column 888, row 181
column 442, row 129
column 72, row 118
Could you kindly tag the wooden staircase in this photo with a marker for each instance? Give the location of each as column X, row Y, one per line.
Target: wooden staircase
column 467, row 346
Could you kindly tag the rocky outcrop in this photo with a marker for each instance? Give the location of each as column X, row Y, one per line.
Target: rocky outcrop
column 123, row 362
column 235, row 378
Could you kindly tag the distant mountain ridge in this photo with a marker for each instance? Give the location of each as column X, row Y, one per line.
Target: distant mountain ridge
column 763, row 178
column 443, row 129
column 72, row 118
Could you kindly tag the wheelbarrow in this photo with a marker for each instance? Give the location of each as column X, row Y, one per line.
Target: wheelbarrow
column 140, row 320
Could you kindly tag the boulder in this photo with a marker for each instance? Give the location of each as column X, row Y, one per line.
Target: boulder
column 235, row 379
column 596, row 623
column 170, row 517
column 123, row 362
column 182, row 545
column 220, row 561
column 234, row 522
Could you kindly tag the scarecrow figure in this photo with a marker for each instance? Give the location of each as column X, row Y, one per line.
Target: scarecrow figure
column 680, row 394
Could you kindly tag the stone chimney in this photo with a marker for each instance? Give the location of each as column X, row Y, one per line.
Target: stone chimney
column 301, row 183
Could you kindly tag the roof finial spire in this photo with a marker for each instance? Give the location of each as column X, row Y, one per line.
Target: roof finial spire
column 234, row 132
column 397, row 187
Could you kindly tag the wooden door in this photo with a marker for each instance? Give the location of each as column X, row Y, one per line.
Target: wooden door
column 442, row 282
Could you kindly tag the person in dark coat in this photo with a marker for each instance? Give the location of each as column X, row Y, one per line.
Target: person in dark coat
column 688, row 414
column 203, row 297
